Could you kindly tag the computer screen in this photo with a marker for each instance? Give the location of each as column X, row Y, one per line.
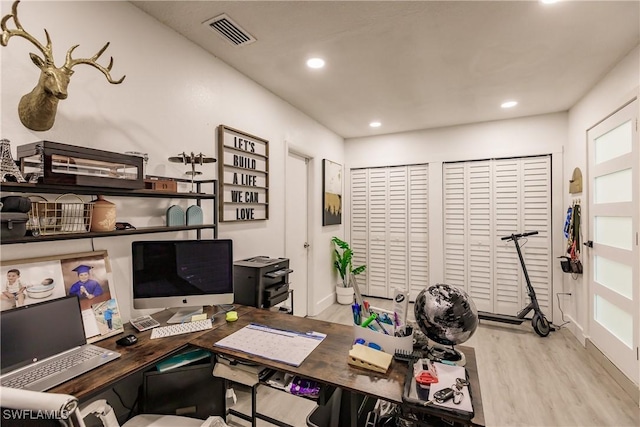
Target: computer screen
column 183, row 274
column 36, row 331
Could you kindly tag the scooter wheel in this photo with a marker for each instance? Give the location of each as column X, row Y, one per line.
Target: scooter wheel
column 540, row 325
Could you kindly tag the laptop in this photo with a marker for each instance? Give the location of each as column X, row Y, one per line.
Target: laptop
column 43, row 345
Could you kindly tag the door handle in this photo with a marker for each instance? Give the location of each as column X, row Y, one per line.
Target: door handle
column 306, row 245
column 588, row 243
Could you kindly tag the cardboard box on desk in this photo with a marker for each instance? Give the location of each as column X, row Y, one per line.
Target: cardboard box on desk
column 389, row 343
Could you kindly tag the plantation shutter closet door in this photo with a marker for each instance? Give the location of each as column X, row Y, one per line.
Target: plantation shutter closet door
column 389, row 219
column 484, row 201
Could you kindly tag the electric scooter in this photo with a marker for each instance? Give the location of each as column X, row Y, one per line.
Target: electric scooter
column 539, row 322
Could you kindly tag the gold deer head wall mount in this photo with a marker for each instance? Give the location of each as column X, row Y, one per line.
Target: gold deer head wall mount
column 37, row 109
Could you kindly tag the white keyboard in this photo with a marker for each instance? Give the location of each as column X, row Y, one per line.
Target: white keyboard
column 181, row 328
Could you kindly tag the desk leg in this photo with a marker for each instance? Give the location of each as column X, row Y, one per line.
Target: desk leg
column 254, row 405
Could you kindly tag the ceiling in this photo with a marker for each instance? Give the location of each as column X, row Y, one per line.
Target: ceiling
column 416, row 64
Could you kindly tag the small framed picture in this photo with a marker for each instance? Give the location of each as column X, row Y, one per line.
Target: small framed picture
column 332, row 192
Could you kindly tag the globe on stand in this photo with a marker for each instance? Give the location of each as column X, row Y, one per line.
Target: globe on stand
column 448, row 316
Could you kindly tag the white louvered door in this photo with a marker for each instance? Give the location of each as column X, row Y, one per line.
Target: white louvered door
column 536, row 216
column 377, row 242
column 484, row 201
column 397, row 201
column 507, row 284
column 480, row 255
column 359, row 222
column 389, row 228
column 418, row 227
column 455, row 226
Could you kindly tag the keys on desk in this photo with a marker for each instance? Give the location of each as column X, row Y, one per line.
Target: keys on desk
column 181, row 328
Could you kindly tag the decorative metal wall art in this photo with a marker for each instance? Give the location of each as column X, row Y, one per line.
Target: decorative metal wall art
column 37, row 109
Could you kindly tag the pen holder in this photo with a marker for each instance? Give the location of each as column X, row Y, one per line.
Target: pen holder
column 389, row 343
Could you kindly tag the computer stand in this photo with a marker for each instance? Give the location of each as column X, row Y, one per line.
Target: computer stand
column 184, row 314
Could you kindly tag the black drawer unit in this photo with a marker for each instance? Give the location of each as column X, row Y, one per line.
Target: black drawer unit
column 261, row 281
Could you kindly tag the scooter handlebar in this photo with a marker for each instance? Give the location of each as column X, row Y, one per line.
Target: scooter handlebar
column 518, row 236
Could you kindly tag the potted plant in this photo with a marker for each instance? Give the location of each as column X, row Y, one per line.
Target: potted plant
column 343, row 263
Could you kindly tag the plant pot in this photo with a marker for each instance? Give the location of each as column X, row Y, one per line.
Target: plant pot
column 344, row 295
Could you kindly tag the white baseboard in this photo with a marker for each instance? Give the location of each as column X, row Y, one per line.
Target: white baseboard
column 323, row 304
column 627, row 385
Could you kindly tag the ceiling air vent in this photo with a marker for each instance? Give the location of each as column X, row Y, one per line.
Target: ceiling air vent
column 229, row 30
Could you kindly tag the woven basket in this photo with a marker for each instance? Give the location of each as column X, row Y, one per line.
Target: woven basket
column 46, row 218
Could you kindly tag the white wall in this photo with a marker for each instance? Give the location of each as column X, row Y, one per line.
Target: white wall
column 545, row 134
column 617, row 88
column 172, row 100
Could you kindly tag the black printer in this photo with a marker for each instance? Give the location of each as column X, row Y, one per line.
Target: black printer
column 261, row 281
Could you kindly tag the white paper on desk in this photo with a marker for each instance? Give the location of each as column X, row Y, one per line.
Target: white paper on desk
column 90, row 323
column 284, row 346
column 447, row 375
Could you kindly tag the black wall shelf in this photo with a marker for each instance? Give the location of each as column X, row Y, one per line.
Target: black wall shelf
column 32, row 189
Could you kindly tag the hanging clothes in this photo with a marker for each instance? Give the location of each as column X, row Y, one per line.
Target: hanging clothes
column 574, row 265
column 573, row 232
column 576, row 229
column 567, row 222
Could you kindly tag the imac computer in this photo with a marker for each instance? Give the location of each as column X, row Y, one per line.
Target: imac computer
column 182, row 274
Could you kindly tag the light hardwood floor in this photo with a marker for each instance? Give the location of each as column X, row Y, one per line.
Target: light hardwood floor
column 525, row 380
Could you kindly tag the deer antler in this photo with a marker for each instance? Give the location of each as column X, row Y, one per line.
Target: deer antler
column 70, row 63
column 20, row 32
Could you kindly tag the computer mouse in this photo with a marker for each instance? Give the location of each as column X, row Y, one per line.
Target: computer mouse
column 232, row 316
column 128, row 340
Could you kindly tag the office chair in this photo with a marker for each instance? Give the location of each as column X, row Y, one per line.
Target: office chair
column 66, row 409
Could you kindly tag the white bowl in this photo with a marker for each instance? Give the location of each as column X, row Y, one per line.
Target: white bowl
column 40, row 291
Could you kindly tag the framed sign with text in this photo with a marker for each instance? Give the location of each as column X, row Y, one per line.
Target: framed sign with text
column 243, row 174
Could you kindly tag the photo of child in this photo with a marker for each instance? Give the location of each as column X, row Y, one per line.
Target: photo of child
column 14, row 288
column 30, row 283
column 107, row 316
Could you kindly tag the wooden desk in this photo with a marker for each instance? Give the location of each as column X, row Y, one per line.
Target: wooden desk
column 327, row 364
column 136, row 358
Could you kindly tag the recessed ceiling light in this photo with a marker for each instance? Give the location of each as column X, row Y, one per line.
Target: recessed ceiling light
column 548, row 1
column 509, row 104
column 375, row 124
column 315, row 63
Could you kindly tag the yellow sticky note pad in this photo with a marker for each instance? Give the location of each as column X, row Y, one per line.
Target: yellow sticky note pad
column 197, row 317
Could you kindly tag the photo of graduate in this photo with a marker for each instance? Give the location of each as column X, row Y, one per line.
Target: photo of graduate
column 85, row 287
column 87, row 279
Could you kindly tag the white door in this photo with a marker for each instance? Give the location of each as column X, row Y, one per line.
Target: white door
column 297, row 244
column 613, row 227
column 389, row 228
column 484, row 201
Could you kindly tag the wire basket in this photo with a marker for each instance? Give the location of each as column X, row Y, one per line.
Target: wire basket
column 46, row 218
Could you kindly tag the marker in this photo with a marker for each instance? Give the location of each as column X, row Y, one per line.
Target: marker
column 356, row 313
column 369, row 320
column 381, row 327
